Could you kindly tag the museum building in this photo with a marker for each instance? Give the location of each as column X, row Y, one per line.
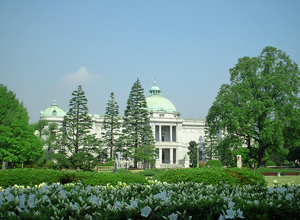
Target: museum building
column 171, row 132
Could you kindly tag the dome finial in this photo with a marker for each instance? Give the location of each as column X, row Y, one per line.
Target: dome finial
column 54, row 103
column 154, row 89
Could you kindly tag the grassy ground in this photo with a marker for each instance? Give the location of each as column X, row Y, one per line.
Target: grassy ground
column 282, row 179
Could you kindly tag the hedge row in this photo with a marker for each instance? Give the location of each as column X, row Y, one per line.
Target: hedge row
column 213, row 176
column 205, row 175
column 29, row 177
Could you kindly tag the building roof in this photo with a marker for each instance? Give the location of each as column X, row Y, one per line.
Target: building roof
column 155, row 101
column 54, row 110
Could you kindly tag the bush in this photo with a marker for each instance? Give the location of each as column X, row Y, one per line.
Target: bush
column 93, row 179
column 83, row 161
column 214, row 163
column 202, row 164
column 162, row 201
column 213, row 176
column 151, row 172
column 49, row 164
column 108, row 163
column 270, row 163
column 61, row 161
column 121, row 170
column 246, row 176
column 28, row 177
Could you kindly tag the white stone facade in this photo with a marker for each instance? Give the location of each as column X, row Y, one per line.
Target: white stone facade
column 171, row 133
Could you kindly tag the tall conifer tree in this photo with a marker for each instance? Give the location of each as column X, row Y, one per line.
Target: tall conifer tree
column 78, row 124
column 111, row 124
column 137, row 130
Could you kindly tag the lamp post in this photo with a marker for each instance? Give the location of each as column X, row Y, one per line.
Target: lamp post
column 199, row 146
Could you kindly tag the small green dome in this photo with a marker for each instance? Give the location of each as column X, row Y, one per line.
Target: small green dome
column 53, row 111
column 155, row 102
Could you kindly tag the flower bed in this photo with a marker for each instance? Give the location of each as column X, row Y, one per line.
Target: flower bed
column 155, row 200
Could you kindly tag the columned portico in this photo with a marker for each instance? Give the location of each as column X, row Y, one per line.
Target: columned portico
column 171, row 132
column 165, row 133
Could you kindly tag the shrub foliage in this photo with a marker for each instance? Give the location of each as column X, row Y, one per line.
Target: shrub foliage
column 214, row 163
column 213, row 176
column 28, row 177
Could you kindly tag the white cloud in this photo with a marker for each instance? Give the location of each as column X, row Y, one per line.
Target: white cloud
column 80, row 77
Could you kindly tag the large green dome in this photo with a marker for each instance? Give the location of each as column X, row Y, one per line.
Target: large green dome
column 155, row 102
column 53, row 111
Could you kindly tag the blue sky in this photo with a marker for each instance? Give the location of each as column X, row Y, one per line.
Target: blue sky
column 48, row 48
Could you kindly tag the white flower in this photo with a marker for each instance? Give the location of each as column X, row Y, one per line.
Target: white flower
column 231, row 204
column 63, row 194
column 9, row 197
column 117, row 204
column 173, row 216
column 221, row 217
column 270, row 190
column 281, row 189
column 74, row 206
column 145, row 211
column 134, row 204
column 162, row 195
column 240, row 213
column 93, row 199
column 30, row 201
column 44, row 198
column 230, row 214
column 288, row 197
column 22, row 205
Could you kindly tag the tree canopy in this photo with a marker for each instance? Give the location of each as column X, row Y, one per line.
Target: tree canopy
column 111, row 124
column 78, row 124
column 136, row 125
column 260, row 108
column 18, row 143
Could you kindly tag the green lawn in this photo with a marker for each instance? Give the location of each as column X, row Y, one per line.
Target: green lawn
column 282, row 179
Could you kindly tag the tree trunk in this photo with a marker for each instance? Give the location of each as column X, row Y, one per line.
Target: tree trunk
column 261, row 156
column 135, row 163
column 3, row 165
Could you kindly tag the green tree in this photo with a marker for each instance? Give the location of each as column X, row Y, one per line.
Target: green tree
column 260, row 107
column 111, row 124
column 61, row 161
column 212, row 141
column 40, row 127
column 18, row 144
column 52, row 134
column 193, row 153
column 78, row 124
column 226, row 149
column 83, row 160
column 146, row 154
column 136, row 127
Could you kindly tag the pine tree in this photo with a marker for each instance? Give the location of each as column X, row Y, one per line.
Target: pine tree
column 137, row 130
column 111, row 124
column 78, row 124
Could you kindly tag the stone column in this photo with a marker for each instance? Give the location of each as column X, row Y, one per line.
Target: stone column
column 159, row 133
column 171, row 133
column 160, row 155
column 171, row 156
column 176, row 134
